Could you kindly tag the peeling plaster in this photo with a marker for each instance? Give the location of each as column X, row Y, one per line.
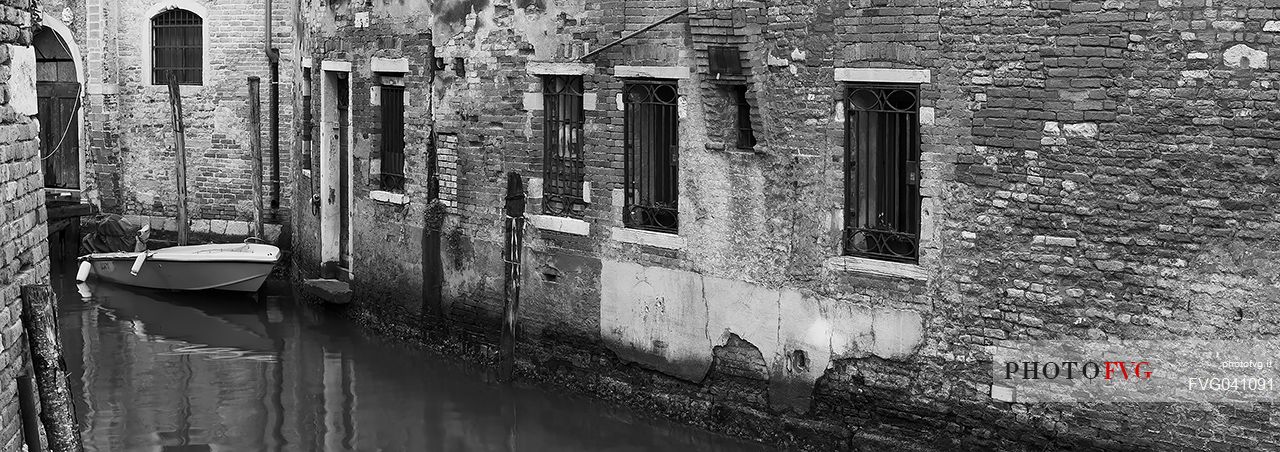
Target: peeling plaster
column 670, row 321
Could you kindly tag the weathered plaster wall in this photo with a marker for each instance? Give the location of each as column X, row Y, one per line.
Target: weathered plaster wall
column 671, row 320
column 388, row 235
column 24, row 249
column 1089, row 170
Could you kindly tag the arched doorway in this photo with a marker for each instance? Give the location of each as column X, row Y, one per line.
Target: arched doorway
column 58, row 89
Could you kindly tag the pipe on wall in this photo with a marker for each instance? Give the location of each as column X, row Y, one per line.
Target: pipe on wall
column 273, row 57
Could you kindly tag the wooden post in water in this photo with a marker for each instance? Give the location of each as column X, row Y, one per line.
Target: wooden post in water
column 29, row 405
column 180, row 150
column 255, row 149
column 511, row 256
column 40, row 321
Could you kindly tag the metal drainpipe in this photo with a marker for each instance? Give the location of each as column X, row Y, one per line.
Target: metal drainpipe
column 273, row 55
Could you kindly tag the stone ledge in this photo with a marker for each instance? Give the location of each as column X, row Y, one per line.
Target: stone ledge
column 876, row 267
column 389, row 197
column 548, row 68
column 561, row 224
column 337, row 66
column 885, row 75
column 329, row 290
column 649, row 238
column 665, row 72
column 389, row 65
column 229, row 228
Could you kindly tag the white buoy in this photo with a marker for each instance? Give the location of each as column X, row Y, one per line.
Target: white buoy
column 83, row 273
column 137, row 264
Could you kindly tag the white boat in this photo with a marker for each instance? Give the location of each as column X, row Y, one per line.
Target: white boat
column 239, row 267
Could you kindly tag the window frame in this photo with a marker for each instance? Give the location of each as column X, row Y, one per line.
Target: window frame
column 308, row 116
column 563, row 165
column 640, row 210
column 185, row 50
column 896, row 176
column 148, row 53
column 745, row 137
column 391, row 171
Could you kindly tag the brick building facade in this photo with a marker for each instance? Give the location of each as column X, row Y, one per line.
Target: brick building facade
column 710, row 238
column 122, row 51
column 24, row 250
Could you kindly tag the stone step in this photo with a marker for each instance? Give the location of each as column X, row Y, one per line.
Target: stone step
column 329, row 290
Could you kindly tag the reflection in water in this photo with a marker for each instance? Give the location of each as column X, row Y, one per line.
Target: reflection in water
column 169, row 371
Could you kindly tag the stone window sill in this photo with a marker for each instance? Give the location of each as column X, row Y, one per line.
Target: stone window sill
column 648, row 238
column 561, row 224
column 876, row 267
column 389, row 197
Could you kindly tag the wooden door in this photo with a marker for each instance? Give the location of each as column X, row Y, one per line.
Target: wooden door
column 58, row 99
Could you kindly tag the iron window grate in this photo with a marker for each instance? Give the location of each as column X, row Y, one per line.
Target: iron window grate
column 882, row 153
column 177, row 47
column 392, row 170
column 651, row 155
column 563, row 165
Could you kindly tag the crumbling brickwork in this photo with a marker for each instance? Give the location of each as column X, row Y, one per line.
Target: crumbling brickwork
column 129, row 149
column 1088, row 170
column 24, row 250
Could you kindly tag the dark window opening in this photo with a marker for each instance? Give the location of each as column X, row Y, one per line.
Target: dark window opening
column 882, row 176
column 563, row 166
column 746, row 135
column 651, row 155
column 392, row 137
column 723, row 60
column 307, row 117
column 177, row 47
column 433, row 168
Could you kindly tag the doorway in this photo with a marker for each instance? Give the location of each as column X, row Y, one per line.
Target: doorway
column 58, row 99
column 335, row 169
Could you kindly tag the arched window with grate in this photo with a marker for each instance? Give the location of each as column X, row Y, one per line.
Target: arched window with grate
column 177, row 47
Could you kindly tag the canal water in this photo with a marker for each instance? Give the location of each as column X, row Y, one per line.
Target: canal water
column 165, row 371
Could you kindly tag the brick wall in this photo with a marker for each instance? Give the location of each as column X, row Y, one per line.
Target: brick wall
column 1090, row 170
column 24, row 251
column 131, row 156
column 351, row 32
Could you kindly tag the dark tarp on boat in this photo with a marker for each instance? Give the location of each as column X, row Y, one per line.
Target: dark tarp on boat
column 113, row 234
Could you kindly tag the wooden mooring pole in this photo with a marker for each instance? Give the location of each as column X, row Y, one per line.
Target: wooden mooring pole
column 40, row 321
column 255, row 149
column 29, row 405
column 180, row 150
column 511, row 256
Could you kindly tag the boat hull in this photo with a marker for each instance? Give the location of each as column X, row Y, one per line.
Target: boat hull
column 242, row 268
column 158, row 274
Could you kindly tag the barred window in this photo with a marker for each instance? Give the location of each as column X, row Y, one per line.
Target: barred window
column 882, row 175
column 562, row 145
column 651, row 147
column 307, row 117
column 177, row 47
column 392, row 137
